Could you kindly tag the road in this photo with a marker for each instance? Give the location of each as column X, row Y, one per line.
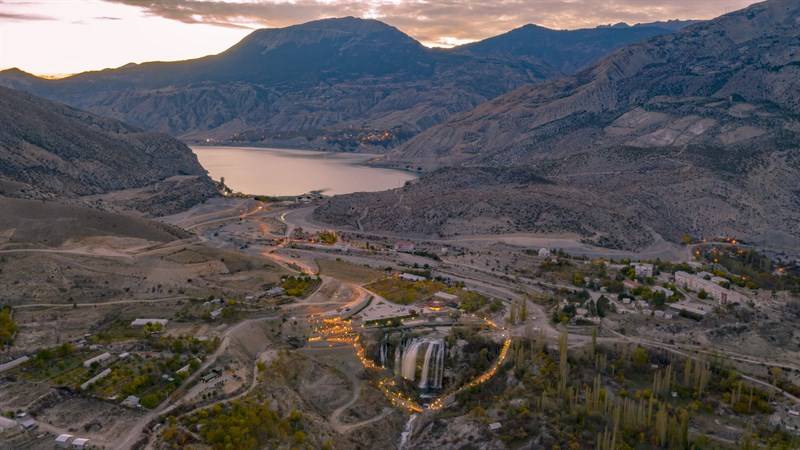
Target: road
column 335, row 417
column 109, row 303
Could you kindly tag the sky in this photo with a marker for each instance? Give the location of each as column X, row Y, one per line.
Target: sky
column 59, row 37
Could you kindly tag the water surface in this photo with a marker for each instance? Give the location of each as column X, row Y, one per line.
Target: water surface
column 269, row 171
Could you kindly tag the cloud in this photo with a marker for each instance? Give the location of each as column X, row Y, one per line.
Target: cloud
column 436, row 21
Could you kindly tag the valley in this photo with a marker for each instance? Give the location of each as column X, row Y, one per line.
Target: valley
column 331, row 236
column 261, row 341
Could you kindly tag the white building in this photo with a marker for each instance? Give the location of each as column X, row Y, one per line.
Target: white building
column 216, row 314
column 277, row 291
column 97, row 359
column 444, row 296
column 713, row 289
column 95, row 379
column 131, row 401
column 62, row 440
column 411, row 277
column 404, row 246
column 643, row 270
column 383, row 310
column 544, row 253
column 80, row 443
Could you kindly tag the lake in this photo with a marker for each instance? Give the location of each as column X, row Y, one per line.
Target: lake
column 278, row 172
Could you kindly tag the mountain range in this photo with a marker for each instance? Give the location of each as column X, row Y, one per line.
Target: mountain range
column 341, row 84
column 695, row 132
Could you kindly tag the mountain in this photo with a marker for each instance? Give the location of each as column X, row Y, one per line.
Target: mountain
column 343, row 84
column 695, row 132
column 567, row 50
column 48, row 150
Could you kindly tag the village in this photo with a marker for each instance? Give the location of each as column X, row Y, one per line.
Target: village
column 346, row 300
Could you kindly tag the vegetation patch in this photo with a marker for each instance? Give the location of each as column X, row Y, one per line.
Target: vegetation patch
column 299, row 286
column 8, row 328
column 244, row 424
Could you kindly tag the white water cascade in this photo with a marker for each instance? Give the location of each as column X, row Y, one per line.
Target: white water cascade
column 431, row 369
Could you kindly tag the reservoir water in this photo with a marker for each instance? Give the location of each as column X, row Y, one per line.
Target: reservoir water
column 268, row 171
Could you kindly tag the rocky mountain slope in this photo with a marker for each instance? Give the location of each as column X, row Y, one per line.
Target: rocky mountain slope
column 48, row 150
column 567, row 51
column 342, row 84
column 695, row 132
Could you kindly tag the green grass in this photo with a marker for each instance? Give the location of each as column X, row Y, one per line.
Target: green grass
column 299, row 286
column 405, row 292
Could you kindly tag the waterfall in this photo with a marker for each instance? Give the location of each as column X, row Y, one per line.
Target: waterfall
column 384, row 350
column 423, row 379
column 398, row 357
column 409, row 369
column 406, row 434
column 439, row 374
column 432, row 365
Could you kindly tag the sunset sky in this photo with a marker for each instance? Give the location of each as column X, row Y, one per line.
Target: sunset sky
column 55, row 37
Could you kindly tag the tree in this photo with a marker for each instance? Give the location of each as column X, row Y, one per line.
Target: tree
column 640, row 357
column 8, row 327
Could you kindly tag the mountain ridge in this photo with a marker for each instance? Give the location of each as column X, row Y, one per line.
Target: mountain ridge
column 693, row 133
column 339, row 84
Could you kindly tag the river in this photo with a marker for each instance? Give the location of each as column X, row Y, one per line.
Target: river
column 278, row 172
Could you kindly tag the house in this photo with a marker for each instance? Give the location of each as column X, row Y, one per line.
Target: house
column 544, row 253
column 411, row 277
column 80, row 443
column 97, row 359
column 26, row 422
column 445, row 297
column 704, row 281
column 404, row 246
column 131, row 401
column 124, row 355
column 95, row 379
column 211, row 376
column 143, row 322
column 216, row 314
column 277, row 291
column 381, row 310
column 643, row 270
column 63, row 440
column 688, row 309
column 495, row 426
column 14, row 363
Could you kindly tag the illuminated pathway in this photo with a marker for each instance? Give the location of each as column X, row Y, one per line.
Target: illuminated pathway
column 340, row 331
